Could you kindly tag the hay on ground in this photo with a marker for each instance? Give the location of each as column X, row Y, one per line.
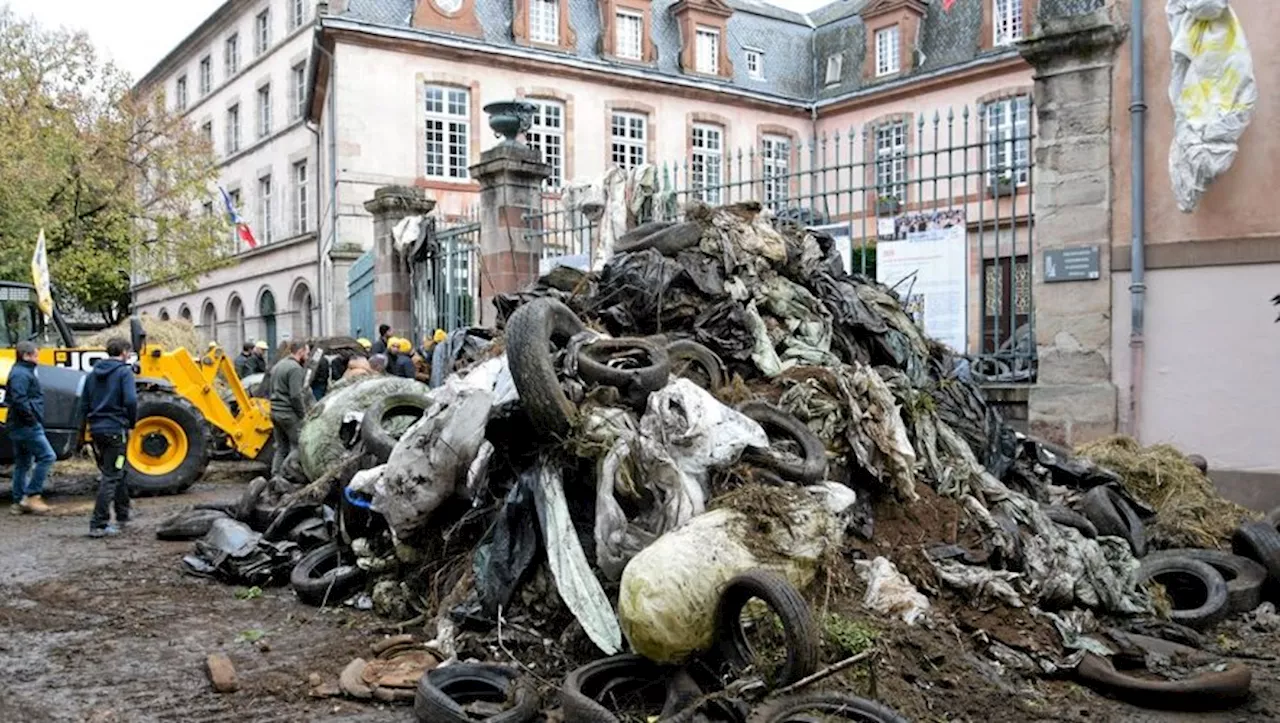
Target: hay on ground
column 168, row 334
column 1189, row 510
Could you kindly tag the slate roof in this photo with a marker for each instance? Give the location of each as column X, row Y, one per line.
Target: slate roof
column 796, row 46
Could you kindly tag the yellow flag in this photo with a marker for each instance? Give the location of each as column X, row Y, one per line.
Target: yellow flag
column 40, row 274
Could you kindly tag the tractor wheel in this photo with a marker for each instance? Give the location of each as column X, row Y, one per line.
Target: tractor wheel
column 169, row 447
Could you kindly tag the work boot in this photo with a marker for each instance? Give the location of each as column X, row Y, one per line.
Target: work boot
column 16, row 508
column 35, row 505
column 108, row 531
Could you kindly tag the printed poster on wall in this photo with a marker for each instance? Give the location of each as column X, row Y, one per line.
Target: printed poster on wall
column 926, row 262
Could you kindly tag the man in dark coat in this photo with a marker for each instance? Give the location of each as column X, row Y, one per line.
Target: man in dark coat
column 33, row 456
column 109, row 406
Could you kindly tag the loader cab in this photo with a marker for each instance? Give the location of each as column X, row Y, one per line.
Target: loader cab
column 22, row 320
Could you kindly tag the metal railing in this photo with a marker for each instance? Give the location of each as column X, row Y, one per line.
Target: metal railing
column 880, row 182
column 445, row 276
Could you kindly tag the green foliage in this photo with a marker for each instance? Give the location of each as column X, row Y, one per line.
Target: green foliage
column 849, row 635
column 115, row 179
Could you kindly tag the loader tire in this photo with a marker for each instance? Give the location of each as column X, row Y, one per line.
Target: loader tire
column 169, row 446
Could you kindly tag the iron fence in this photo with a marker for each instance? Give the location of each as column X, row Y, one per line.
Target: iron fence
column 445, row 275
column 888, row 180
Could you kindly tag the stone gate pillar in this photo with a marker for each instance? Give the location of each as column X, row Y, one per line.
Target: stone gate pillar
column 391, row 302
column 1074, row 400
column 511, row 176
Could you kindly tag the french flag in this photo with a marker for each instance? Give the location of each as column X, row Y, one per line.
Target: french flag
column 242, row 228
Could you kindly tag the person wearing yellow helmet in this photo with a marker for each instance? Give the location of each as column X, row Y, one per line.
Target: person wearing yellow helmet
column 365, row 344
column 399, row 361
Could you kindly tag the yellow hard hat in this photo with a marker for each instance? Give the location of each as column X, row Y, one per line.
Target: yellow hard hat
column 439, row 336
column 402, row 344
column 365, row 343
column 262, row 345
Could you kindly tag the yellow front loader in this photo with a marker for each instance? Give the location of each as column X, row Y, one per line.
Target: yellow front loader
column 182, row 415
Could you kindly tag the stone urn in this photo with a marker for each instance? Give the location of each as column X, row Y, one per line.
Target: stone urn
column 510, row 118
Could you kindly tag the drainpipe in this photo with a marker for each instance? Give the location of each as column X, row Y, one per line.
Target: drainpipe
column 1137, row 211
column 315, row 130
column 324, row 245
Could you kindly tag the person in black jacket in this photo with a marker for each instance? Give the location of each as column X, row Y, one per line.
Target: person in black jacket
column 384, row 339
column 109, row 406
column 399, row 359
column 33, row 456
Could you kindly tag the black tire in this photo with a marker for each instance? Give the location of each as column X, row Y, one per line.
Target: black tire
column 686, row 354
column 668, row 240
column 249, row 500
column 812, row 465
column 1197, row 590
column 189, row 524
column 377, row 441
column 584, row 687
column 641, row 231
column 530, row 332
column 1112, row 515
column 443, row 691
column 1206, row 691
column 321, row 578
column 594, row 367
column 289, row 518
column 1071, row 518
column 1260, row 542
column 1245, row 578
column 832, row 706
column 798, row 626
column 182, row 418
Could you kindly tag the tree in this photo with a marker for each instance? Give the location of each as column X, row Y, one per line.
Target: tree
column 114, row 178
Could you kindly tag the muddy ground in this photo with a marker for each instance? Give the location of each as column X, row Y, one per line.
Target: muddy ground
column 113, row 631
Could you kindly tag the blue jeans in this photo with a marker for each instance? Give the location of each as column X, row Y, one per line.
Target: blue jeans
column 30, row 447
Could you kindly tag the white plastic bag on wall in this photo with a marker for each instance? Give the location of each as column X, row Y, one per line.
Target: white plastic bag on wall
column 1213, row 93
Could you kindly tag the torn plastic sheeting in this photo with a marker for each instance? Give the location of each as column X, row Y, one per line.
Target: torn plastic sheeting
column 366, row 480
column 431, row 460
column 613, row 223
column 492, row 375
column 850, row 406
column 231, row 537
column 684, row 433
column 478, row 471
column 669, row 591
column 644, row 291
column 808, row 324
column 406, row 234
column 509, row 547
column 575, row 582
column 889, row 592
column 980, row 583
column 1213, row 91
column 1061, row 566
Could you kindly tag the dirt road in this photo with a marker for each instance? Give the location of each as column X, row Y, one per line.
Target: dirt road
column 113, row 631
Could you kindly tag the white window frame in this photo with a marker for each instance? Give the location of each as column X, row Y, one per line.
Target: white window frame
column 301, row 209
column 547, row 136
column 297, row 13
column 1008, row 139
column 1007, row 23
column 630, row 147
column 707, row 47
column 264, row 234
column 447, row 132
column 706, row 165
column 262, row 32
column 888, row 50
column 544, row 21
column 180, row 93
column 264, row 111
column 835, row 69
column 206, row 75
column 624, row 46
column 231, row 55
column 233, row 129
column 298, row 89
column 755, row 64
column 775, row 167
column 891, row 160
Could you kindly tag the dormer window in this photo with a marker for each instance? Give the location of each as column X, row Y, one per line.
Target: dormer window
column 888, row 51
column 703, row 33
column 708, row 51
column 755, row 64
column 630, row 29
column 1007, row 21
column 835, row 64
column 544, row 21
column 540, row 23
